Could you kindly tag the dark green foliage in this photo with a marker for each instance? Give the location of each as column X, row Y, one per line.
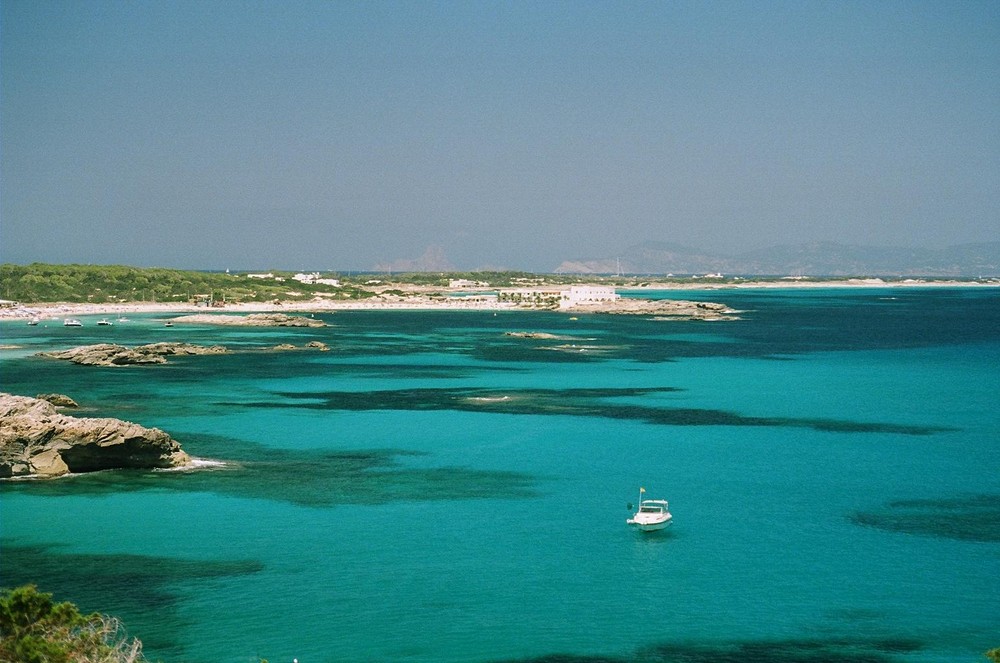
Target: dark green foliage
column 39, row 282
column 34, row 629
column 116, row 283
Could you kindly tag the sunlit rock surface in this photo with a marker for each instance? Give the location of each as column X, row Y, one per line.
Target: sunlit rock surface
column 37, row 440
column 111, row 354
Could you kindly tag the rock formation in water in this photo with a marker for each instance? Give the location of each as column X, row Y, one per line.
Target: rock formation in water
column 59, row 400
column 673, row 309
column 36, row 440
column 252, row 320
column 111, row 354
column 317, row 345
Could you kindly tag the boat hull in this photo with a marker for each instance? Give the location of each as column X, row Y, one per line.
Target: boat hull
column 649, row 526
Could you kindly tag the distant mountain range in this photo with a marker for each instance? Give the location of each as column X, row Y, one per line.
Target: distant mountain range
column 813, row 259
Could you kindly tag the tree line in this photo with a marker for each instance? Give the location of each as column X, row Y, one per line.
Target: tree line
column 101, row 284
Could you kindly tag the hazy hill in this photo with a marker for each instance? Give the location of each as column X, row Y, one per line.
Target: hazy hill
column 813, row 259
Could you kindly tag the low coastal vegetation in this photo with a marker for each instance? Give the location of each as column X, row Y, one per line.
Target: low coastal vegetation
column 113, row 284
column 36, row 629
column 99, row 284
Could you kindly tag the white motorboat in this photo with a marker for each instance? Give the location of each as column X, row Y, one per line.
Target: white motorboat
column 33, row 322
column 652, row 515
column 104, row 322
column 72, row 322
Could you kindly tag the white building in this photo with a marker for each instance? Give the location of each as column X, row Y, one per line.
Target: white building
column 532, row 296
column 563, row 297
column 584, row 294
column 314, row 278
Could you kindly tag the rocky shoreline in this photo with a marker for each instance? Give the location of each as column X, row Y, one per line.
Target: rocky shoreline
column 36, row 440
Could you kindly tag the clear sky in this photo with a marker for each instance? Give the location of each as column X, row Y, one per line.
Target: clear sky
column 343, row 135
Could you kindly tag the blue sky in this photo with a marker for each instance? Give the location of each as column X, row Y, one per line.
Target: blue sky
column 349, row 135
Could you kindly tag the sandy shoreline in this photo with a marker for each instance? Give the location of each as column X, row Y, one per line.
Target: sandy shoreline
column 61, row 310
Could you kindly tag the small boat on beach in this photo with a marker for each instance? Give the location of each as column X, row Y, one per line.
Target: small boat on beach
column 652, row 515
column 72, row 322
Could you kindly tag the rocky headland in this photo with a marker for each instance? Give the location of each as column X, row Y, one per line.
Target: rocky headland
column 36, row 440
column 668, row 309
column 112, row 354
column 252, row 320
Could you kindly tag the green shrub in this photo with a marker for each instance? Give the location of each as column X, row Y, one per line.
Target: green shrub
column 34, row 629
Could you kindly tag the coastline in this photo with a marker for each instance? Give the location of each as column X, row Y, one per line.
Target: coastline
column 805, row 283
column 421, row 302
column 60, row 310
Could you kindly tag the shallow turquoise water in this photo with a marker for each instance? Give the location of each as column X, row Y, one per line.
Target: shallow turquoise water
column 433, row 490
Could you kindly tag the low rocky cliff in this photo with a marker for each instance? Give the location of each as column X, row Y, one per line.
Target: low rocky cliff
column 37, row 440
column 111, row 354
column 252, row 320
column 672, row 309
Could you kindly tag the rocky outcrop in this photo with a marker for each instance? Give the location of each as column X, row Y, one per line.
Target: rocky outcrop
column 36, row 440
column 252, row 320
column 111, row 354
column 537, row 335
column 315, row 345
column 672, row 309
column 59, row 400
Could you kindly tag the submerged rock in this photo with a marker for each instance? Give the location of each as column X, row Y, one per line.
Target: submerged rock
column 536, row 335
column 36, row 440
column 111, row 354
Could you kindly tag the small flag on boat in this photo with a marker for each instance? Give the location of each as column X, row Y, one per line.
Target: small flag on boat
column 642, row 490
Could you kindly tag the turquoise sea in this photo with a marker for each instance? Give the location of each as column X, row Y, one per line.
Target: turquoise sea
column 432, row 489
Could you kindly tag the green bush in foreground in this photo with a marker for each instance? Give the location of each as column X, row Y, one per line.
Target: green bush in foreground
column 34, row 629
